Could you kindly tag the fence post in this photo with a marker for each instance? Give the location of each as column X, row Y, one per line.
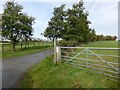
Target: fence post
column 58, row 50
column 2, row 47
column 55, row 59
column 21, row 44
column 34, row 43
column 87, row 57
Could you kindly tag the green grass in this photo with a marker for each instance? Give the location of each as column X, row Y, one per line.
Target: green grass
column 24, row 51
column 108, row 44
column 48, row 75
column 8, row 46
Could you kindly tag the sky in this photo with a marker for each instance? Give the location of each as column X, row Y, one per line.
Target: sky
column 102, row 14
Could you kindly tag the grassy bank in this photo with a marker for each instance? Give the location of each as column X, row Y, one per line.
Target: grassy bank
column 48, row 75
column 24, row 51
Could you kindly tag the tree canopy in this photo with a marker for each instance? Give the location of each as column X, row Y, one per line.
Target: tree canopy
column 56, row 24
column 72, row 24
column 15, row 23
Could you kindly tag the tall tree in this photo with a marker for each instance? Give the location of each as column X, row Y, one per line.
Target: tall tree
column 0, row 25
column 70, row 24
column 56, row 24
column 26, row 28
column 15, row 24
column 77, row 24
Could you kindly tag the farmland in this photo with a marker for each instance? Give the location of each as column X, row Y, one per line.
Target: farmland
column 32, row 47
column 49, row 75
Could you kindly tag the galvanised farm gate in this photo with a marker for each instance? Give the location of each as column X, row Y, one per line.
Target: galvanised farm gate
column 101, row 60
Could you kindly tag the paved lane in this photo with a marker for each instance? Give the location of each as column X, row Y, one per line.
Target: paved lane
column 14, row 68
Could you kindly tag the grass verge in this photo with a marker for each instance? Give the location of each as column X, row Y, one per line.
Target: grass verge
column 24, row 51
column 46, row 74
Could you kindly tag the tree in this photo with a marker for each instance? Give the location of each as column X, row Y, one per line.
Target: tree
column 0, row 26
column 78, row 24
column 0, row 22
column 26, row 28
column 15, row 24
column 56, row 24
column 70, row 25
column 92, row 37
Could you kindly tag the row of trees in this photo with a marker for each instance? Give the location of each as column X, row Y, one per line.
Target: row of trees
column 103, row 38
column 16, row 25
column 72, row 25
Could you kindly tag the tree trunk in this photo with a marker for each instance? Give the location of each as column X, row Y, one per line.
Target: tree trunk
column 13, row 46
column 28, row 44
column 25, row 44
column 21, row 45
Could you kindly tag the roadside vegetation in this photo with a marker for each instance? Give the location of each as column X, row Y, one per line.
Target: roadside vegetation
column 24, row 51
column 32, row 47
column 46, row 74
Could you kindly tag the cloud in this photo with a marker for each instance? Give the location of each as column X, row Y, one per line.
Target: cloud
column 104, row 18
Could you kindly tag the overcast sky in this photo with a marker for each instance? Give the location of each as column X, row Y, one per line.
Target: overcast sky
column 103, row 15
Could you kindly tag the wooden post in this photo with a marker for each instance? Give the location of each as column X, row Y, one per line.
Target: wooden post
column 2, row 47
column 87, row 57
column 58, row 49
column 38, row 43
column 55, row 60
column 28, row 44
column 34, row 43
column 21, row 44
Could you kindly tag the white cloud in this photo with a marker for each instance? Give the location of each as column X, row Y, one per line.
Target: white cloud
column 104, row 18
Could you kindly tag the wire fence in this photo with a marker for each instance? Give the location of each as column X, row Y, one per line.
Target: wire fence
column 9, row 46
column 101, row 60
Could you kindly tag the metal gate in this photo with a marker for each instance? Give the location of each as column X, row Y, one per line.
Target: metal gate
column 88, row 57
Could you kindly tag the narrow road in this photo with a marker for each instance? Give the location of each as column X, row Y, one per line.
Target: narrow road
column 14, row 68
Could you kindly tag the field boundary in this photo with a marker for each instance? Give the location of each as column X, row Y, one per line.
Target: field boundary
column 100, row 65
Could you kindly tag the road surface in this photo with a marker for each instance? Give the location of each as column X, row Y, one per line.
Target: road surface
column 14, row 68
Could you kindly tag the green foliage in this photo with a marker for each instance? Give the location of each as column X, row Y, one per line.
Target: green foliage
column 71, row 24
column 77, row 24
column 15, row 24
column 24, row 51
column 56, row 24
column 0, row 23
column 104, row 38
column 68, row 43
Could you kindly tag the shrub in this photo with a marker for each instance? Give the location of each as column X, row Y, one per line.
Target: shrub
column 68, row 43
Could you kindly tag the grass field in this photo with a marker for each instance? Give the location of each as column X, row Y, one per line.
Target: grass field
column 48, row 75
column 33, row 47
column 107, row 44
column 25, row 51
column 8, row 46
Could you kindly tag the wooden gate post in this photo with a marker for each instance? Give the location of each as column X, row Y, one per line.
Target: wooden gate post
column 2, row 47
column 55, row 59
column 87, row 57
column 58, row 50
